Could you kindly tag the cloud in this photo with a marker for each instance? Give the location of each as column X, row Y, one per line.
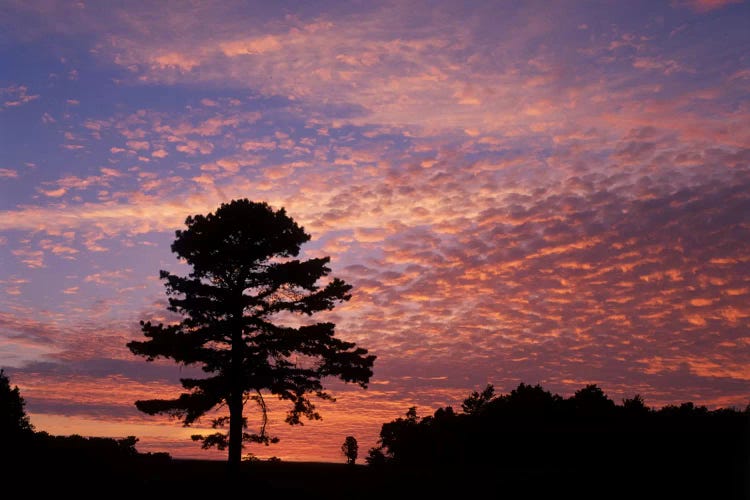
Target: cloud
column 58, row 249
column 138, row 145
column 54, row 193
column 149, row 215
column 250, row 46
column 666, row 66
column 174, row 60
column 204, row 179
column 191, row 147
column 16, row 95
column 108, row 278
column 28, row 335
column 258, row 145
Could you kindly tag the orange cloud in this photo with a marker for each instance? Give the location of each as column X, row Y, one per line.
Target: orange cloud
column 176, row 60
column 138, row 145
column 251, row 46
column 54, row 193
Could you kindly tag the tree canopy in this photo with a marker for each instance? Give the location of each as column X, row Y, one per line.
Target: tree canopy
column 533, row 427
column 237, row 306
column 14, row 423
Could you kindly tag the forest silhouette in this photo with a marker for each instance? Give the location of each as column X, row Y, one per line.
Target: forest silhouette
column 585, row 444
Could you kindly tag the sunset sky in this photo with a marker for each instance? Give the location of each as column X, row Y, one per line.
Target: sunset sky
column 518, row 191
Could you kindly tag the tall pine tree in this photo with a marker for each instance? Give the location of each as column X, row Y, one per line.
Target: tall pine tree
column 244, row 279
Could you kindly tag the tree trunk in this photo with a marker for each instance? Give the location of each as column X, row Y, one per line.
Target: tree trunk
column 235, row 402
column 235, row 432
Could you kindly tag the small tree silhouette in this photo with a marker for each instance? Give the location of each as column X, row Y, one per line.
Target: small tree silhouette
column 350, row 449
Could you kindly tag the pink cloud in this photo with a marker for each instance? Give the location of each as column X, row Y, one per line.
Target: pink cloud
column 249, row 46
column 138, row 145
column 665, row 66
column 54, row 193
column 108, row 278
column 32, row 258
column 110, row 172
column 190, row 147
column 204, row 179
column 18, row 95
column 258, row 145
column 176, row 60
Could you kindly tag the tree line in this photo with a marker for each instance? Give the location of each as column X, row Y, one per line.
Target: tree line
column 532, row 427
column 53, row 459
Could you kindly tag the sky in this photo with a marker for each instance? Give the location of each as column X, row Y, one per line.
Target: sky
column 546, row 192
